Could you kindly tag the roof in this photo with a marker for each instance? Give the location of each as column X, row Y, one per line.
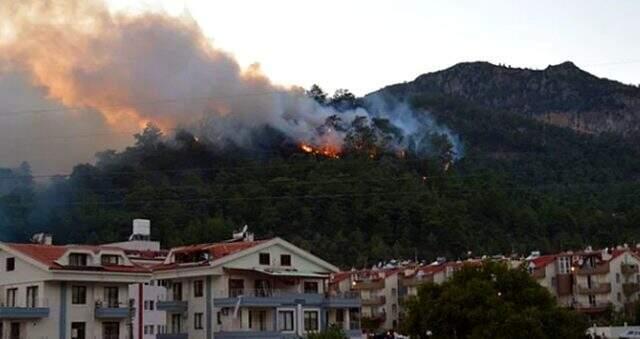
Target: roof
column 340, row 276
column 47, row 255
column 215, row 250
column 543, row 260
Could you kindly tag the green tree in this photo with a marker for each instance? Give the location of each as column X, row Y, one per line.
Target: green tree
column 333, row 332
column 490, row 301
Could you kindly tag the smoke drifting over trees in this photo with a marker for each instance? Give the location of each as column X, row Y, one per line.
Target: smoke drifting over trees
column 115, row 72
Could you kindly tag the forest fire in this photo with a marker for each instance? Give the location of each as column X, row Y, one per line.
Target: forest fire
column 326, row 151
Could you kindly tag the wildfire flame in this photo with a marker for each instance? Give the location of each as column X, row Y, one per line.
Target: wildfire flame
column 326, row 150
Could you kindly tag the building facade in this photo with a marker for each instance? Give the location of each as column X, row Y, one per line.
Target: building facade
column 260, row 290
column 76, row 292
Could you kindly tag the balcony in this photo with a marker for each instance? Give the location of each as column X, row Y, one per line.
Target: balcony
column 597, row 308
column 173, row 336
column 172, row 306
column 113, row 312
column 630, row 288
column 368, row 284
column 249, row 335
column 595, row 289
column 23, row 312
column 599, row 269
column 416, row 281
column 275, row 298
column 628, row 269
column 374, row 301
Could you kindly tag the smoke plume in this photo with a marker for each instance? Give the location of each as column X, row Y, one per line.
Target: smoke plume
column 116, row 72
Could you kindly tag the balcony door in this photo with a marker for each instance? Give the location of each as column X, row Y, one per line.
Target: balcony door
column 177, row 291
column 263, row 288
column 111, row 297
column 32, row 296
column 15, row 331
column 110, row 330
column 176, row 323
column 236, row 287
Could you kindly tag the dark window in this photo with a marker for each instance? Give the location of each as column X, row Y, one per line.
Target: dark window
column 176, row 323
column 78, row 295
column 110, row 259
column 15, row 331
column 285, row 260
column 285, row 321
column 110, row 330
column 219, row 318
column 151, row 305
column 177, row 291
column 11, row 264
column 265, row 259
column 111, row 297
column 78, row 330
column 77, row 259
column 197, row 321
column 11, row 297
column 310, row 287
column 263, row 288
column 339, row 315
column 198, row 288
column 32, row 296
column 311, row 321
column 236, row 287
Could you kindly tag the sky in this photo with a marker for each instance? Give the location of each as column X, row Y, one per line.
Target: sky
column 368, row 44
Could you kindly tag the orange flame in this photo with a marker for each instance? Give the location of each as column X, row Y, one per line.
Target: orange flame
column 326, row 150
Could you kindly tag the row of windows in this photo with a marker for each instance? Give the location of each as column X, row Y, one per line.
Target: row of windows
column 265, row 259
column 32, row 296
column 111, row 296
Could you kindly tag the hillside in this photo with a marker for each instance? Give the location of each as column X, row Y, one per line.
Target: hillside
column 520, row 184
column 562, row 95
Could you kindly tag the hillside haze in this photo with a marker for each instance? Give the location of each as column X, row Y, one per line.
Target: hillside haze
column 561, row 95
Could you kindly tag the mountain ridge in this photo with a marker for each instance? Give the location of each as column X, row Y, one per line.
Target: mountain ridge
column 561, row 95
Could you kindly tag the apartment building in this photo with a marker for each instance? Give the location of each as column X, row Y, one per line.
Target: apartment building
column 73, row 291
column 260, row 289
column 590, row 281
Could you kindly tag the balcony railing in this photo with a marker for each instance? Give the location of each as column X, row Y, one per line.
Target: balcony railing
column 373, row 301
column 273, row 297
column 630, row 288
column 368, row 284
column 9, row 311
column 628, row 269
column 599, row 269
column 173, row 336
column 172, row 306
column 595, row 289
column 595, row 308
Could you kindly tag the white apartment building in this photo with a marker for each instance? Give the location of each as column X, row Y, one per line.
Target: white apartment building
column 73, row 291
column 260, row 290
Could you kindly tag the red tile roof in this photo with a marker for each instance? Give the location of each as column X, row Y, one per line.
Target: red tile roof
column 49, row 254
column 339, row 276
column 215, row 250
column 543, row 261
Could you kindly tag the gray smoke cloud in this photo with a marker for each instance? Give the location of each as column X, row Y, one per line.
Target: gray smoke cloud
column 104, row 75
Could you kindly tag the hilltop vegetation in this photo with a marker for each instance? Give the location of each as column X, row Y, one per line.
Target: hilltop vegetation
column 521, row 185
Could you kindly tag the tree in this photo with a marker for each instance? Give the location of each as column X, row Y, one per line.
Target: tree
column 333, row 332
column 316, row 93
column 343, row 100
column 490, row 301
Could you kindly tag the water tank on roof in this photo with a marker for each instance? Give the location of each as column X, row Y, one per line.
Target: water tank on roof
column 141, row 229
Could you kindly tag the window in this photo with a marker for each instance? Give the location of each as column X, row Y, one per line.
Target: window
column 618, row 278
column 564, row 265
column 151, row 305
column 11, row 264
column 176, row 323
column 108, row 259
column 148, row 329
column 265, row 259
column 177, row 291
column 619, row 296
column 197, row 321
column 592, row 300
column 285, row 321
column 339, row 315
column 285, row 260
column 310, row 287
column 198, row 288
column 263, row 288
column 110, row 330
column 78, row 330
column 311, row 321
column 32, row 296
column 111, row 297
column 77, row 259
column 78, row 295
column 11, row 297
column 236, row 287
column 219, row 318
column 354, row 318
column 394, row 309
column 161, row 329
column 258, row 320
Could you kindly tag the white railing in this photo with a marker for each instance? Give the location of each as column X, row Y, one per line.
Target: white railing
column 39, row 303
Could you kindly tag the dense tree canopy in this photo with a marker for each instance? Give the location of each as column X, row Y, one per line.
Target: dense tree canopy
column 490, row 301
